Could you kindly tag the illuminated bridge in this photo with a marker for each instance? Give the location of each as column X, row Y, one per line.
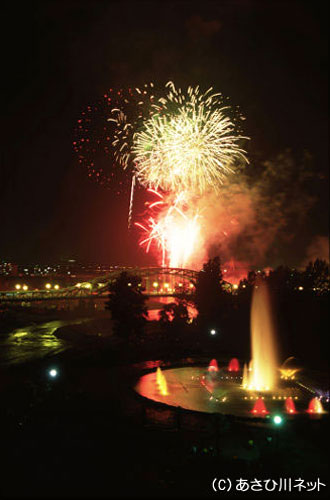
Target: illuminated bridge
column 157, row 281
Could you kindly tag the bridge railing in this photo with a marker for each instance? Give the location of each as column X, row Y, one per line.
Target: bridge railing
column 153, row 280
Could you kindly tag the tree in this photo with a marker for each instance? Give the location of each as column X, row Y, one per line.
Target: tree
column 174, row 315
column 210, row 297
column 284, row 278
column 127, row 305
column 316, row 277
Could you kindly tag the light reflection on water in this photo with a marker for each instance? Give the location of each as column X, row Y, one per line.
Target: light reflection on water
column 156, row 304
column 33, row 341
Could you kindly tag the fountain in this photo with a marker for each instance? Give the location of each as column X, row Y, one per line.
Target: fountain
column 233, row 365
column 259, row 407
column 161, row 382
column 213, row 366
column 262, row 376
column 254, row 391
column 315, row 406
column 289, row 405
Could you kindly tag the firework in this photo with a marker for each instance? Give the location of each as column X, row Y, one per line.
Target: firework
column 104, row 133
column 181, row 146
column 190, row 143
column 172, row 228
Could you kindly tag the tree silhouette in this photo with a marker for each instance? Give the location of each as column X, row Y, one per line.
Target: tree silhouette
column 316, row 277
column 210, row 297
column 127, row 305
column 174, row 315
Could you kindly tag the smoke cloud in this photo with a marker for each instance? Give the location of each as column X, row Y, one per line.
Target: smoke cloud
column 257, row 215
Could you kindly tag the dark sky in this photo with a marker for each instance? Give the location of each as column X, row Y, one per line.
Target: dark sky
column 269, row 57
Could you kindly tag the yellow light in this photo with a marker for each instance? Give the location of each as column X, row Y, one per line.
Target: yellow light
column 48, row 286
column 155, row 284
column 25, row 287
column 18, row 287
column 288, row 372
column 166, row 285
column 191, row 285
column 56, row 287
column 300, row 288
column 78, row 285
column 235, row 286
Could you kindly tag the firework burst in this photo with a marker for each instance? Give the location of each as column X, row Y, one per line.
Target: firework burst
column 172, row 227
column 190, row 143
column 104, row 134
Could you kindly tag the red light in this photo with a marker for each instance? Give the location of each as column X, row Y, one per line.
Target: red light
column 259, row 407
column 233, row 365
column 289, row 405
column 213, row 366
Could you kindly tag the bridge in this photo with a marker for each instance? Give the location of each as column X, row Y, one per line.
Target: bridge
column 156, row 281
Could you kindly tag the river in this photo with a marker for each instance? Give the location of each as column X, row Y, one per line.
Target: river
column 33, row 341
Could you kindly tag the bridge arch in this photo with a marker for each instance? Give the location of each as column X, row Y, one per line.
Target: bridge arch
column 155, row 280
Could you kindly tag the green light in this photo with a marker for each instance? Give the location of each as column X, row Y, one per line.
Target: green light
column 277, row 420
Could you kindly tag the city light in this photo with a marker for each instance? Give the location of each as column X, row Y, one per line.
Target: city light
column 277, row 419
column 213, row 331
column 18, row 287
column 53, row 373
column 48, row 286
column 56, row 287
column 25, row 287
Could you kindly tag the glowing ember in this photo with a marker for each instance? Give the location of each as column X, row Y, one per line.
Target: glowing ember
column 315, row 406
column 259, row 407
column 233, row 365
column 262, row 376
column 161, row 382
column 213, row 366
column 289, row 405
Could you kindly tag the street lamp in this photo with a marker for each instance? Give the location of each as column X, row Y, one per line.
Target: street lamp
column 213, row 331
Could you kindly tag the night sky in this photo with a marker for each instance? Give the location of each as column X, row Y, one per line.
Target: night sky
column 269, row 57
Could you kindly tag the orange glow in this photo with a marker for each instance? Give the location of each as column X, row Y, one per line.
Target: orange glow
column 262, row 376
column 161, row 382
column 288, row 373
column 174, row 228
column 315, row 406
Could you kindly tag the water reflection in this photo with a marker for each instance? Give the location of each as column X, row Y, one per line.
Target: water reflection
column 33, row 341
column 155, row 305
